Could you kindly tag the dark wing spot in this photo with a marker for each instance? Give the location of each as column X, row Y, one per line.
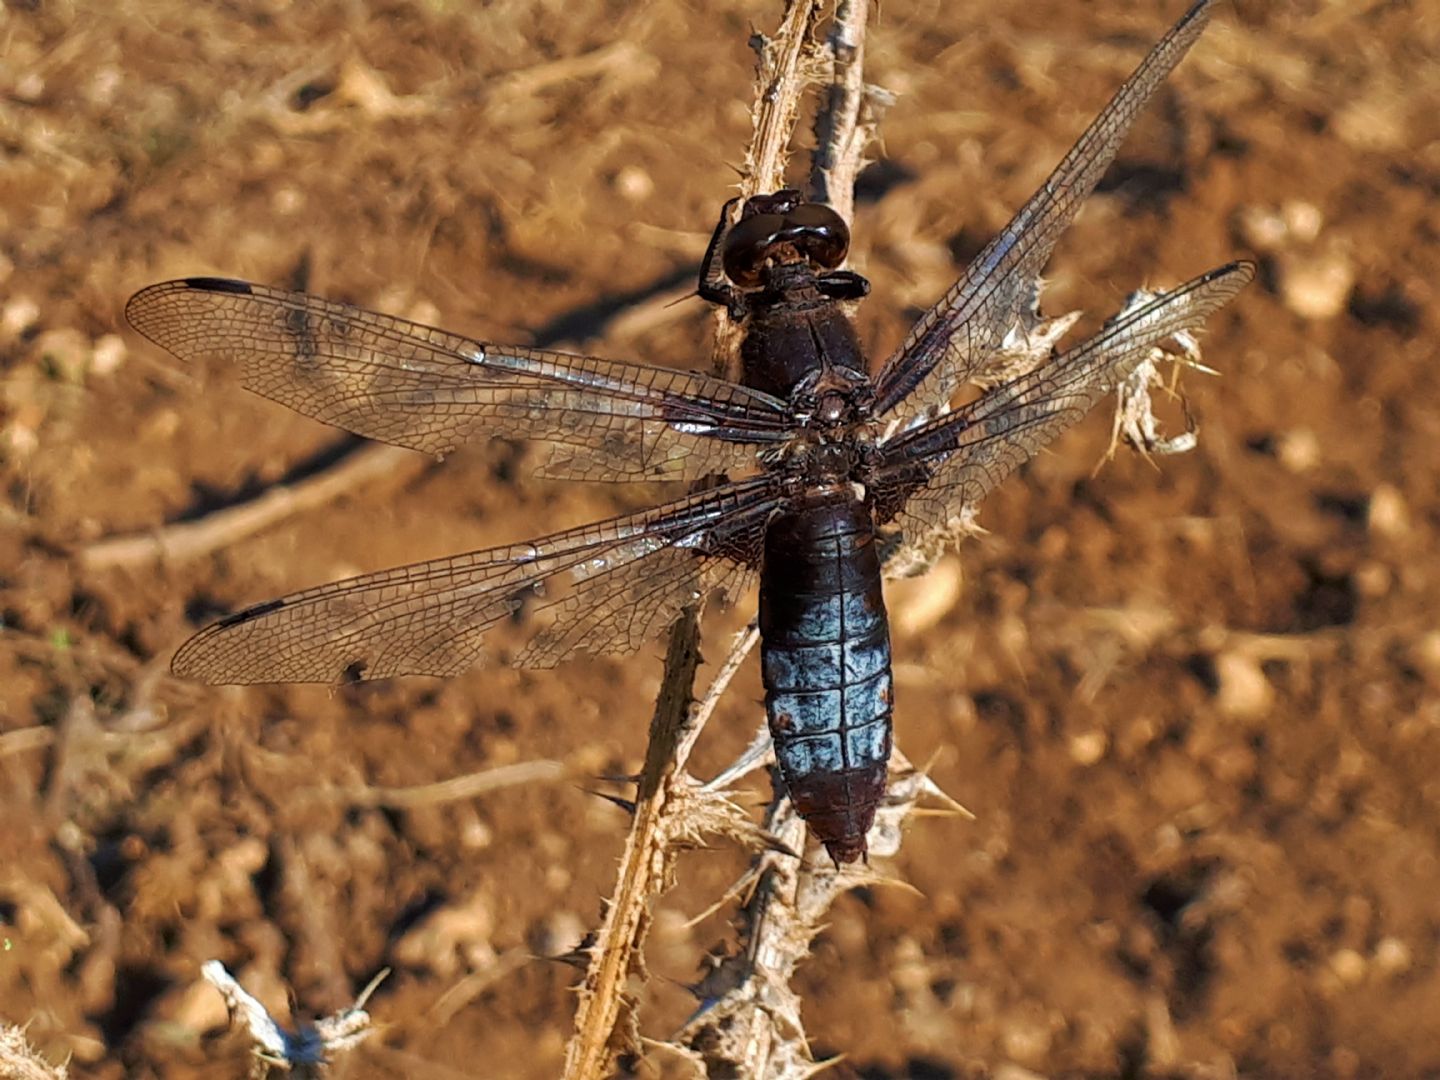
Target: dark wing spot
column 354, row 671
column 250, row 613
column 297, row 325
column 218, row 284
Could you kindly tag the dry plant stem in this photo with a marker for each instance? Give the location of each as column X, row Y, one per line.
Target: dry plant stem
column 844, row 126
column 471, row 987
column 782, row 81
column 750, row 1023
column 604, row 1017
column 456, row 789
column 191, row 540
column 746, row 640
column 24, row 740
column 645, row 865
column 304, row 1052
column 19, row 1062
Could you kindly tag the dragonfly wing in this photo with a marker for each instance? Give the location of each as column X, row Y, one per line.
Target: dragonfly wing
column 415, row 386
column 955, row 339
column 605, row 588
column 933, row 477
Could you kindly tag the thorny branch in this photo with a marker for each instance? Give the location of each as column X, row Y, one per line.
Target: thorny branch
column 605, row 1012
column 846, row 123
column 193, row 539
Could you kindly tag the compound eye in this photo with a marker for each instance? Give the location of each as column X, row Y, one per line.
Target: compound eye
column 820, row 233
column 747, row 245
column 780, row 202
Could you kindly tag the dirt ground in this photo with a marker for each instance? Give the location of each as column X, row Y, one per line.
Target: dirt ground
column 1192, row 703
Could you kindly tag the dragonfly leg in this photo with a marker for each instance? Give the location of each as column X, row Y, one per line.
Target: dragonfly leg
column 713, row 287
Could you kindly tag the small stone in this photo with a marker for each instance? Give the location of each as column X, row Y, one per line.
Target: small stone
column 29, row 88
column 1298, row 450
column 1026, row 1042
column 1392, row 956
column 1348, row 965
column 1388, row 515
column 1372, row 579
column 66, row 351
column 18, row 315
column 634, row 184
column 476, row 835
column 108, row 355
column 919, row 604
column 22, row 434
column 1262, row 229
column 1303, row 220
column 1425, row 654
column 1245, row 693
column 557, row 934
column 1088, row 748
column 1316, row 287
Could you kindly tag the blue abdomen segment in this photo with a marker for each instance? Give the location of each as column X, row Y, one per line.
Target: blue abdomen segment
column 825, row 660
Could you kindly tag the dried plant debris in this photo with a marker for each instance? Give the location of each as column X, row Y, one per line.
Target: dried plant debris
column 19, row 1061
column 1135, row 420
column 307, row 1050
column 748, row 1021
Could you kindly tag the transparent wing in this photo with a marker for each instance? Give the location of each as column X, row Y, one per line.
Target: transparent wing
column 935, row 476
column 415, row 386
column 955, row 339
column 602, row 588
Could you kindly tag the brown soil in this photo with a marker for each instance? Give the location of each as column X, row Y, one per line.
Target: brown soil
column 1192, row 703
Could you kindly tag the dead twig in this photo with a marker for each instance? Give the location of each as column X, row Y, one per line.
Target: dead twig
column 306, row 1050
column 749, row 1023
column 605, row 1002
column 456, row 789
column 846, row 123
column 194, row 539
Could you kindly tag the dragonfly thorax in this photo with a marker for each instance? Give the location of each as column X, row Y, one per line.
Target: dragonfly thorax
column 832, row 397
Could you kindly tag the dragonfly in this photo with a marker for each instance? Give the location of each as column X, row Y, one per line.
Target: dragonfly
column 807, row 461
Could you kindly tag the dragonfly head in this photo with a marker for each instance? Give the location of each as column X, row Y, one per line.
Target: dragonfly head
column 782, row 230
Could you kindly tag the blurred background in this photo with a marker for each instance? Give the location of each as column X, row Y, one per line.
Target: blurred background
column 1192, row 702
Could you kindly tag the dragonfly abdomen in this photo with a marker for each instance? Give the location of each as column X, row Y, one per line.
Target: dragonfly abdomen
column 825, row 659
